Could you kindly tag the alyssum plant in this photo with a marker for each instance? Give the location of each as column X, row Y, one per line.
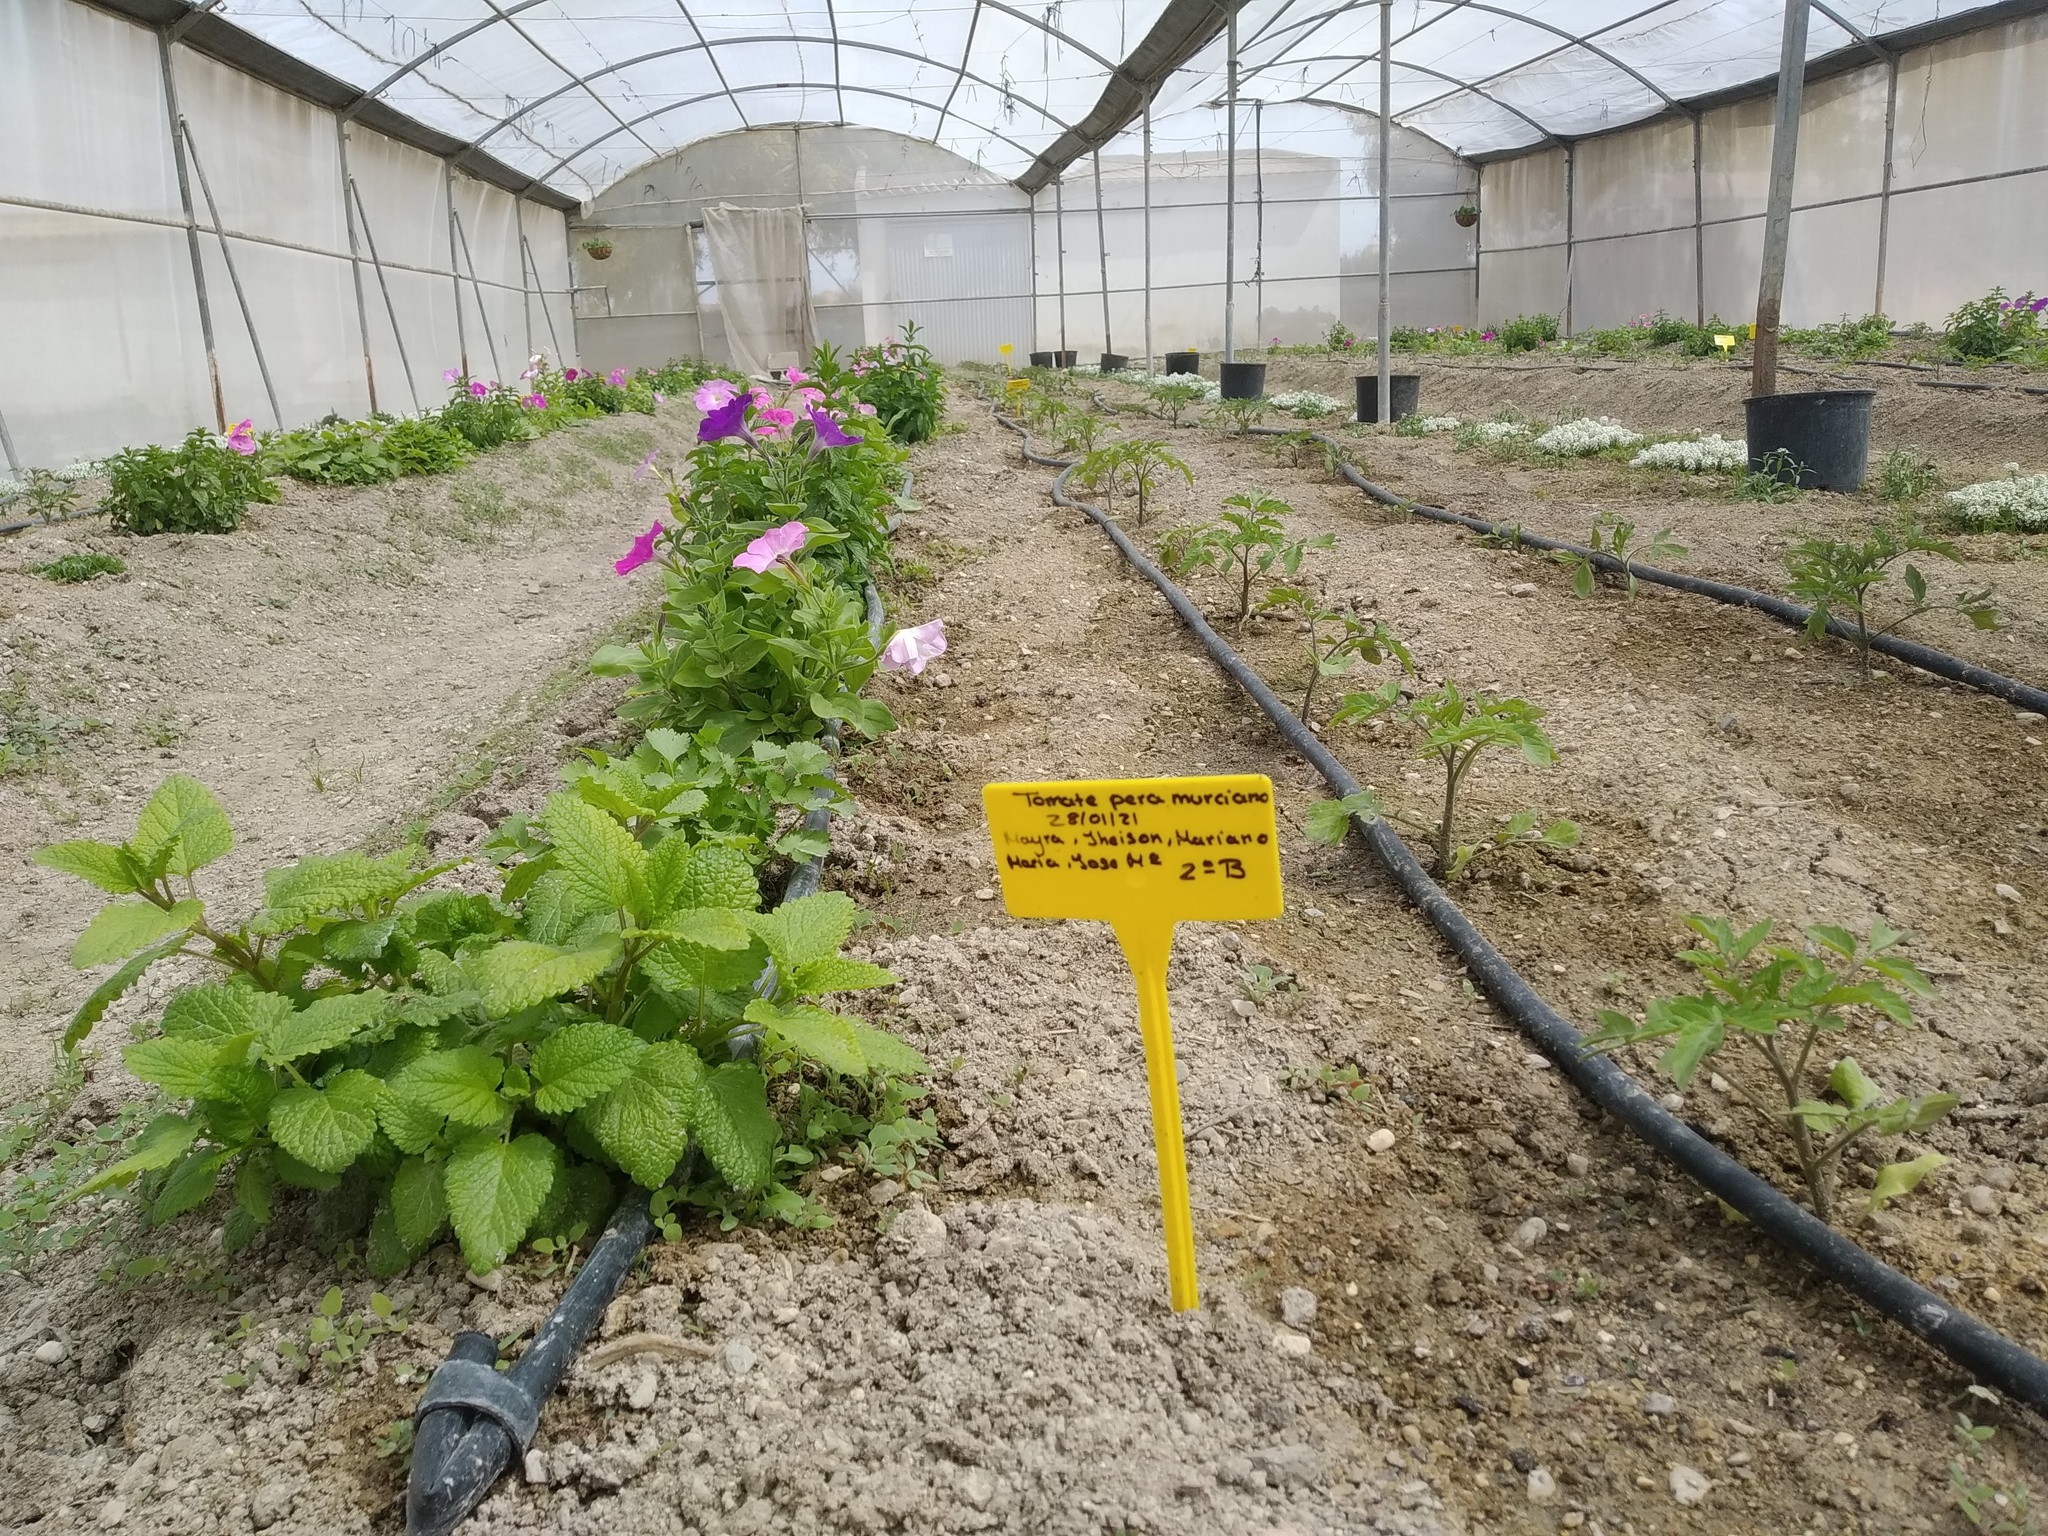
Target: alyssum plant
column 480, row 1062
column 1784, row 1000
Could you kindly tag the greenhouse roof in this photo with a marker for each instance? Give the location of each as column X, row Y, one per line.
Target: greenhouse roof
column 567, row 96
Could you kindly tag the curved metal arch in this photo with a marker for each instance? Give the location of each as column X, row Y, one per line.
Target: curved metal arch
column 505, row 13
column 748, row 90
column 582, row 81
column 1451, row 7
column 1544, row 135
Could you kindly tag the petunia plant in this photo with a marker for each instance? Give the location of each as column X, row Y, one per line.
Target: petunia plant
column 495, row 1063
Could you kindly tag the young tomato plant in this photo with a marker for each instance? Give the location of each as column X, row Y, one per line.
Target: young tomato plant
column 1337, row 640
column 1174, row 396
column 1249, row 541
column 1839, row 577
column 1616, row 536
column 1148, row 464
column 1241, row 415
column 2003, row 1509
column 1784, row 1000
column 1457, row 729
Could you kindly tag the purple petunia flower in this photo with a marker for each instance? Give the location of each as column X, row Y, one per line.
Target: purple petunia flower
column 243, row 438
column 828, row 433
column 451, row 375
column 647, row 464
column 728, row 420
column 618, row 378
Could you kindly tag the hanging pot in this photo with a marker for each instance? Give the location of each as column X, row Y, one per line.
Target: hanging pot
column 1466, row 217
column 1406, row 388
column 598, row 250
column 1244, row 381
column 1823, row 433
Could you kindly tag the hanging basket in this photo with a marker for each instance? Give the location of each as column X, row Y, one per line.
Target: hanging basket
column 1466, row 217
column 598, row 250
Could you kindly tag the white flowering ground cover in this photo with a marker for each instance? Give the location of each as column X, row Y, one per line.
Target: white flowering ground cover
column 1494, row 431
column 1700, row 455
column 1589, row 434
column 2017, row 501
column 1305, row 402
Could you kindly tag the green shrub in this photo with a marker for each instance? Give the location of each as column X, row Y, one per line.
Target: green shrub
column 425, row 446
column 1846, row 338
column 1993, row 327
column 1525, row 333
column 594, row 393
column 74, row 568
column 488, row 1063
column 489, row 419
column 903, row 384
column 201, row 486
column 341, row 453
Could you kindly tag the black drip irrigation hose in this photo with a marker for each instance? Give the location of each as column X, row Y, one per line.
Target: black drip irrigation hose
column 473, row 1420
column 1925, row 657
column 51, row 522
column 1982, row 1351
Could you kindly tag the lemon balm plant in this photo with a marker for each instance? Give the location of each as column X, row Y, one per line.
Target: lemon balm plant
column 488, row 1063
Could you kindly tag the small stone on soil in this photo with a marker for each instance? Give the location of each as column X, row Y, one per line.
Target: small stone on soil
column 1531, row 1232
column 1984, row 1200
column 1287, row 1342
column 737, row 1357
column 53, row 1352
column 1577, row 1164
column 536, row 1469
column 1660, row 1405
column 1688, row 1485
column 1381, row 1140
column 1542, row 1486
column 1522, row 589
column 1298, row 1307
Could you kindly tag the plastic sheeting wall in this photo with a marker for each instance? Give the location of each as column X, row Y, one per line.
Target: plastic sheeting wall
column 1309, row 176
column 1966, row 206
column 97, row 295
column 898, row 230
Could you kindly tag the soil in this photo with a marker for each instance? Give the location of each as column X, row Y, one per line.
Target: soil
column 993, row 1351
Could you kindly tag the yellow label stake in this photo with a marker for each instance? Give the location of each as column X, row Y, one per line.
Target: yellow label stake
column 1143, row 855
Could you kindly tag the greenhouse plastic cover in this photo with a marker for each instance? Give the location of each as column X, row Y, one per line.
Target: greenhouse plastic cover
column 575, row 93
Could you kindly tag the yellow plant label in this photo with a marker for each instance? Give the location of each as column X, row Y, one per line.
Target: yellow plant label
column 1143, row 855
column 1724, row 342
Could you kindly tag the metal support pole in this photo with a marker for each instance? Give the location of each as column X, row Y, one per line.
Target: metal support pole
column 547, row 314
column 7, row 448
column 1699, row 230
column 1570, row 222
column 384, row 285
column 1259, row 218
column 1059, row 241
column 1386, row 318
column 220, row 407
column 476, row 288
column 525, row 295
column 355, row 261
column 1230, row 201
column 1149, row 353
column 1102, row 254
column 227, row 256
column 697, row 289
column 1033, row 347
column 1770, row 291
column 1884, row 197
column 454, row 272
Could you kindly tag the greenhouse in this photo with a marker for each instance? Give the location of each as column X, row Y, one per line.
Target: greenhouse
column 1056, row 766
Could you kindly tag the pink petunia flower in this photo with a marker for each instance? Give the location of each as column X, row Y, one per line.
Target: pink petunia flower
column 571, row 375
column 714, row 393
column 911, row 650
column 478, row 389
column 641, row 552
column 865, row 409
column 807, row 396
column 617, row 379
column 762, row 399
column 243, row 438
column 451, row 375
column 534, row 402
column 647, row 464
column 827, row 431
column 796, row 376
column 773, row 421
column 777, row 544
column 660, row 398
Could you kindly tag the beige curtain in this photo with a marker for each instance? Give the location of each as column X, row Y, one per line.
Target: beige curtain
column 764, row 285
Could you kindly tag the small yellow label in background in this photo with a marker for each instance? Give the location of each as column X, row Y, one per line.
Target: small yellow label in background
column 1143, row 855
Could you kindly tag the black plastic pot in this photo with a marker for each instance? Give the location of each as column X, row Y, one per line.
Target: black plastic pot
column 1042, row 359
column 1189, row 361
column 1114, row 362
column 1244, row 381
column 1065, row 359
column 1406, row 388
column 1825, row 433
